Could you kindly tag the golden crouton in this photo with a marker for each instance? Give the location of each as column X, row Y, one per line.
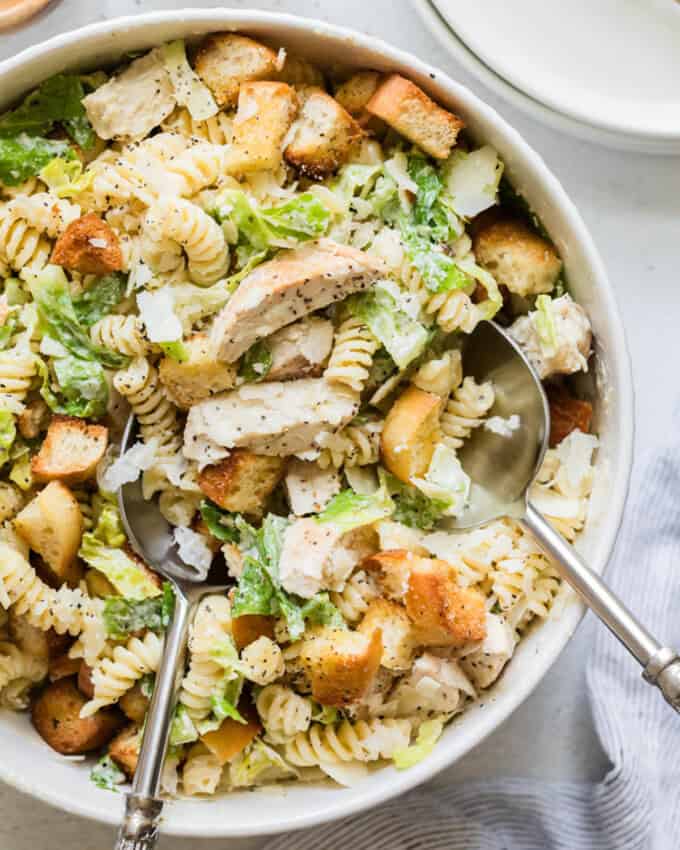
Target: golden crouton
column 299, row 72
column 265, row 112
column 442, row 613
column 355, row 93
column 56, row 717
column 410, row 433
column 62, row 667
column 33, row 419
column 233, row 737
column 198, row 377
column 322, row 136
column 406, row 108
column 247, row 628
column 124, row 749
column 243, row 481
column 52, row 525
column 134, row 704
column 567, row 414
column 517, row 257
column 341, row 664
column 225, row 60
column 85, row 680
column 392, row 568
column 88, row 245
column 70, row 452
column 397, row 633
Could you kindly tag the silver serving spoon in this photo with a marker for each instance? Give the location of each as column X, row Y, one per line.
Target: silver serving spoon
column 504, row 467
column 150, row 535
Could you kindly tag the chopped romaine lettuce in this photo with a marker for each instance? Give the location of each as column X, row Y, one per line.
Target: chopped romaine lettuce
column 175, row 351
column 303, row 217
column 25, row 156
column 412, row 507
column 126, row 616
column 65, row 177
column 189, row 90
column 57, row 100
column 7, row 330
column 428, row 735
column 357, row 179
column 445, row 481
column 258, row 763
column 8, row 434
column 439, row 271
column 182, row 729
column 220, row 523
column 106, row 774
column 472, row 180
column 20, row 473
column 350, row 510
column 83, row 386
column 544, row 322
column 58, row 315
column 109, row 528
column 255, row 590
column 255, row 363
column 326, row 714
column 99, row 299
column 120, row 569
column 402, row 336
column 320, row 611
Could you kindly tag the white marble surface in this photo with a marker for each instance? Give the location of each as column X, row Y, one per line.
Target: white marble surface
column 632, row 205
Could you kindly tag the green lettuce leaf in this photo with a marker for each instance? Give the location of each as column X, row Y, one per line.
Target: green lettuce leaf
column 7, row 331
column 255, row 363
column 428, row 735
column 8, row 434
column 412, row 507
column 57, row 100
column 257, row 764
column 120, row 569
column 254, row 592
column 175, row 350
column 25, row 156
column 182, row 730
column 445, row 481
column 58, row 316
column 320, row 611
column 99, row 299
column 123, row 617
column 325, row 714
column 220, row 523
column 82, row 385
column 350, row 510
column 439, row 272
column 544, row 322
column 65, row 177
column 303, row 217
column 106, row 774
column 402, row 336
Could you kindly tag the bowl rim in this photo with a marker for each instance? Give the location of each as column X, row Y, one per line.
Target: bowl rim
column 600, row 133
column 209, row 20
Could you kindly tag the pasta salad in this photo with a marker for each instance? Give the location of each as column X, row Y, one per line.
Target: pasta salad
column 273, row 266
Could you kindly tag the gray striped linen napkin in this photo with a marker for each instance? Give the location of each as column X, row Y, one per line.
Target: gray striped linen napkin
column 636, row 806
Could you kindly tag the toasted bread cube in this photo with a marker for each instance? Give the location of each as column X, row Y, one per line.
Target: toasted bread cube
column 567, row 414
column 406, row 108
column 134, row 704
column 342, row 665
column 265, row 113
column 442, row 613
column 322, row 136
column 52, row 525
column 520, row 259
column 233, row 737
column 297, row 71
column 392, row 568
column 396, row 535
column 124, row 749
column 63, row 667
column 355, row 93
column 247, row 628
column 198, row 377
column 88, row 245
column 226, row 60
column 70, row 452
column 397, row 633
column 243, row 481
column 410, row 433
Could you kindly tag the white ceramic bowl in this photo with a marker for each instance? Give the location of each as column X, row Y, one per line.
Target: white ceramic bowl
column 27, row 762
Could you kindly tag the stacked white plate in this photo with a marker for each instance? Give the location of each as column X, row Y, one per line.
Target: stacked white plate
column 605, row 70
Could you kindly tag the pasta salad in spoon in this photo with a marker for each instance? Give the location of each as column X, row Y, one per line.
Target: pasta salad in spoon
column 274, row 267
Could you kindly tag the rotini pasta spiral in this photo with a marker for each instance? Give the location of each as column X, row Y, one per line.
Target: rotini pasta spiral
column 262, row 661
column 217, row 129
column 64, row 610
column 360, row 741
column 211, row 625
column 199, row 166
column 173, row 226
column 353, row 600
column 157, row 418
column 17, row 370
column 284, row 713
column 114, row 676
column 123, row 334
column 354, row 445
column 465, row 410
column 27, row 223
column 202, row 772
column 352, row 355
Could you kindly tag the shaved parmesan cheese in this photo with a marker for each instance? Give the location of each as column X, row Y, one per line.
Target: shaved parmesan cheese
column 157, row 311
column 111, row 475
column 193, row 550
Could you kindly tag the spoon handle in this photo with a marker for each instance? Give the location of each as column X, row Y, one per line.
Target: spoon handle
column 661, row 665
column 139, row 830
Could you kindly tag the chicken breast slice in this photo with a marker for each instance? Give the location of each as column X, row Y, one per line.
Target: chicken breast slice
column 272, row 418
column 287, row 288
column 309, row 487
column 300, row 350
